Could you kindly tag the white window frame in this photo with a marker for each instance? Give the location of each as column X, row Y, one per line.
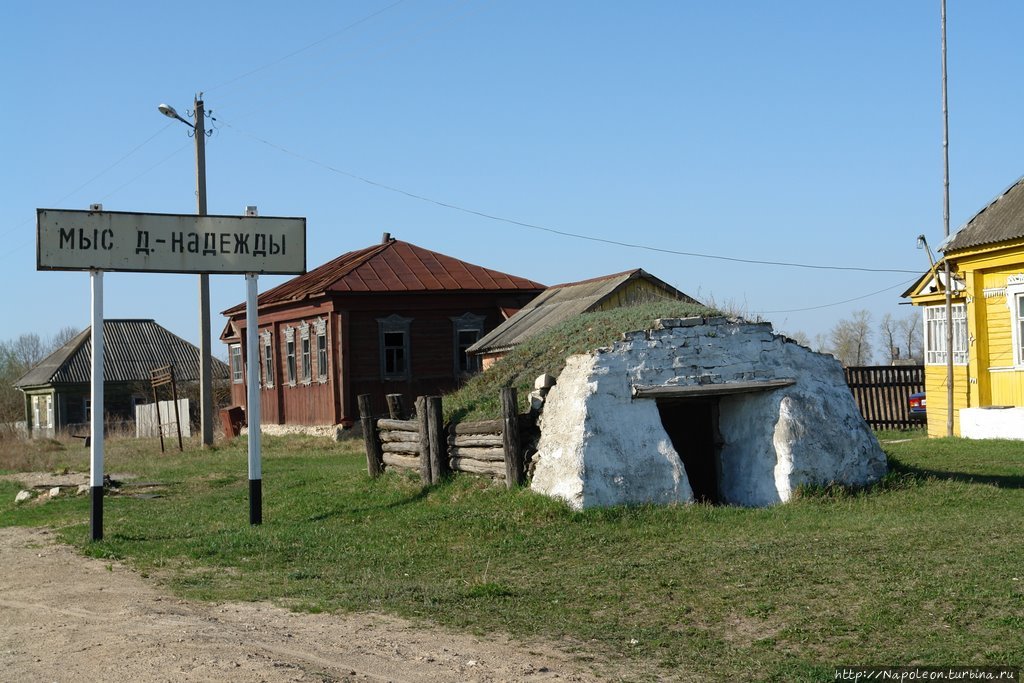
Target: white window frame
column 42, row 405
column 305, row 348
column 267, row 352
column 935, row 334
column 321, row 350
column 289, row 355
column 1015, row 302
column 235, row 360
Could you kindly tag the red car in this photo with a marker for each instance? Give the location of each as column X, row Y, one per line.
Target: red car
column 918, row 407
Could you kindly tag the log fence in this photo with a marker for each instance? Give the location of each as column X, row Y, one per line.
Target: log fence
column 427, row 445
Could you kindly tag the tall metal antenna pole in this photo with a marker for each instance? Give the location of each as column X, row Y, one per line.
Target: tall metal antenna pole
column 945, row 224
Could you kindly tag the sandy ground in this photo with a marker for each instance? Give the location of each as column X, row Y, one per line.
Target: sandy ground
column 65, row 617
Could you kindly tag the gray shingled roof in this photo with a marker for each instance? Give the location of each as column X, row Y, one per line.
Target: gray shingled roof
column 559, row 303
column 131, row 349
column 1002, row 220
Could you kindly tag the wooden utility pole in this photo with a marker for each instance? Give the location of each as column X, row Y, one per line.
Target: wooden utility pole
column 945, row 223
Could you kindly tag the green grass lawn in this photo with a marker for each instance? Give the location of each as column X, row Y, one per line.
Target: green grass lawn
column 923, row 569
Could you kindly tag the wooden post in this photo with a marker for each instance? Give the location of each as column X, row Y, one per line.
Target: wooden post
column 510, row 438
column 395, row 408
column 177, row 415
column 159, row 427
column 438, row 440
column 374, row 454
column 421, row 418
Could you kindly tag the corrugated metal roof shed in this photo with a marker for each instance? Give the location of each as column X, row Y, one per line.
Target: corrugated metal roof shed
column 392, row 266
column 559, row 303
column 1001, row 221
column 131, row 349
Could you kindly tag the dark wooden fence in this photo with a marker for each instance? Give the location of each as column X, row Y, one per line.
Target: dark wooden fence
column 883, row 393
column 424, row 443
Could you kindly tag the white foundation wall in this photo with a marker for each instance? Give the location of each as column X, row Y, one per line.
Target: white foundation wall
column 601, row 447
column 992, row 423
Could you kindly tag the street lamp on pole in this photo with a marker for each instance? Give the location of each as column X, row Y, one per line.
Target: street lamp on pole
column 205, row 365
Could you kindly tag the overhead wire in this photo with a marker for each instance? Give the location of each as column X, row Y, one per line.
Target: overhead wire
column 296, row 89
column 456, row 207
column 844, row 301
column 239, row 77
column 21, row 245
column 131, row 180
column 288, row 56
column 555, row 231
column 242, row 76
column 88, row 182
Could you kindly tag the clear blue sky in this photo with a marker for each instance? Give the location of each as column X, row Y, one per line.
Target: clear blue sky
column 788, row 131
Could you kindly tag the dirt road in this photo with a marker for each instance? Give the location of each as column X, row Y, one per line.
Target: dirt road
column 64, row 617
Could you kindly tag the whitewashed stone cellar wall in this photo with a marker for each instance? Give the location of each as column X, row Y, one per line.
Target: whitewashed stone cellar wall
column 602, row 446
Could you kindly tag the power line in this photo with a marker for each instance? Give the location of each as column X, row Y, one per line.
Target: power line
column 564, row 233
column 147, row 170
column 297, row 89
column 90, row 180
column 354, row 24
column 845, row 301
column 307, row 47
column 18, row 247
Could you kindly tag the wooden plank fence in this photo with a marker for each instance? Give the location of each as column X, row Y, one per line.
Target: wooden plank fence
column 426, row 444
column 882, row 393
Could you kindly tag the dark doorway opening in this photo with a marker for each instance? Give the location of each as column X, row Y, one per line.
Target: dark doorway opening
column 692, row 425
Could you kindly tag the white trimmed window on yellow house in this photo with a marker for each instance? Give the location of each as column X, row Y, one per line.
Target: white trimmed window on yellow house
column 935, row 335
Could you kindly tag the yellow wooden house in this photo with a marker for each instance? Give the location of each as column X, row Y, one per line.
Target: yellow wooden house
column 986, row 258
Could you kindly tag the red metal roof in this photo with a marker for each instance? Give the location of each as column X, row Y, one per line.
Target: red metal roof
column 393, row 266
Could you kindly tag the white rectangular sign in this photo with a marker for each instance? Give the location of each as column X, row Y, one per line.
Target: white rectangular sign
column 169, row 243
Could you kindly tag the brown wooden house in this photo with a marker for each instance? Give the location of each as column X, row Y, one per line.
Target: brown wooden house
column 391, row 318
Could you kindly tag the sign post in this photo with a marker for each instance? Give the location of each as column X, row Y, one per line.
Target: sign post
column 252, row 400
column 96, row 408
column 98, row 241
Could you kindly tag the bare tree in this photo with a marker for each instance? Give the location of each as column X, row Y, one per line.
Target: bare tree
column 27, row 350
column 12, row 407
column 888, row 331
column 909, row 331
column 800, row 337
column 850, row 339
column 63, row 336
column 821, row 343
column 18, row 356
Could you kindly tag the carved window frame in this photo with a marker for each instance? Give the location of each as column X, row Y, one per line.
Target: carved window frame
column 289, row 346
column 267, row 355
column 393, row 351
column 464, row 364
column 306, row 371
column 322, row 350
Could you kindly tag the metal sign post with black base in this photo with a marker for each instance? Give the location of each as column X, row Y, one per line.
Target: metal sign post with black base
column 99, row 241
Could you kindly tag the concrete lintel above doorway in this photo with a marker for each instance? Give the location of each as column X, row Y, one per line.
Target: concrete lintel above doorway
column 702, row 390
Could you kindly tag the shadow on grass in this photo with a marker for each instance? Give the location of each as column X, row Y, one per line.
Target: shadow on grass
column 147, row 538
column 902, row 476
column 1008, row 481
column 408, row 500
